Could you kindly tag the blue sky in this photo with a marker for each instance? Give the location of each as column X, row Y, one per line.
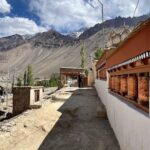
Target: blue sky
column 33, row 16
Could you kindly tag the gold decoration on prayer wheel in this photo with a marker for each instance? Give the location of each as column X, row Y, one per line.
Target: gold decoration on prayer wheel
column 123, row 86
column 143, row 89
column 132, row 87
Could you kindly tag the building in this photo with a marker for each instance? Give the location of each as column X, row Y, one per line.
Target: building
column 125, row 91
column 73, row 75
column 25, row 97
column 101, row 64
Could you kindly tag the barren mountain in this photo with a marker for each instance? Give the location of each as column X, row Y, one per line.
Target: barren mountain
column 52, row 39
column 47, row 58
column 49, row 51
column 113, row 23
column 10, row 42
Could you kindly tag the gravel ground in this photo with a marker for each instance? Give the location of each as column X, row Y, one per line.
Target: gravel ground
column 66, row 124
column 78, row 128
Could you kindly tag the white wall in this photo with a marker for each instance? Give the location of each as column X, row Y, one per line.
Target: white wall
column 101, row 87
column 131, row 126
column 32, row 96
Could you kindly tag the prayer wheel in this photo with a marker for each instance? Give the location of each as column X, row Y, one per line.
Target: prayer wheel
column 113, row 83
column 123, row 86
column 117, row 83
column 143, row 90
column 132, row 87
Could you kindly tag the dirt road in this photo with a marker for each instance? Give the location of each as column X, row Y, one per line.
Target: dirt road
column 69, row 124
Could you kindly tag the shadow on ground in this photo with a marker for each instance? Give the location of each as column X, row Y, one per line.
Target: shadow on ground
column 78, row 128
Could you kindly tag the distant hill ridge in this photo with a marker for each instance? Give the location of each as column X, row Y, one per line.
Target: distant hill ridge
column 53, row 39
column 113, row 23
column 48, row 51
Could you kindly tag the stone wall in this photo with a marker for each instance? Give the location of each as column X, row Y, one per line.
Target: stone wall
column 24, row 97
column 21, row 100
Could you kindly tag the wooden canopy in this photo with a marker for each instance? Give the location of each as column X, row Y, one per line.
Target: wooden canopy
column 71, row 71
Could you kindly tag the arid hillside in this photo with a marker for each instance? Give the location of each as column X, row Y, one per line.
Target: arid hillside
column 46, row 57
column 49, row 51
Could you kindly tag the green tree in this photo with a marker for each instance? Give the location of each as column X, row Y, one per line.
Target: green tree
column 25, row 78
column 30, row 80
column 98, row 53
column 82, row 54
column 54, row 80
column 19, row 81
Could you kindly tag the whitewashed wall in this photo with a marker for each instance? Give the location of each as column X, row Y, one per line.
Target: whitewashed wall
column 32, row 96
column 131, row 126
column 101, row 87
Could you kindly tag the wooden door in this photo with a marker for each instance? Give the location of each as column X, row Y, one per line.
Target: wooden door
column 37, row 96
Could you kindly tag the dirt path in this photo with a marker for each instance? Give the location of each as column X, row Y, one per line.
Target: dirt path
column 78, row 128
column 62, row 125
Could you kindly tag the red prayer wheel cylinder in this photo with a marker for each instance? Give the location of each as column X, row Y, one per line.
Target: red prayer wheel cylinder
column 123, row 86
column 117, row 83
column 132, row 87
column 115, row 79
column 113, row 83
column 143, row 89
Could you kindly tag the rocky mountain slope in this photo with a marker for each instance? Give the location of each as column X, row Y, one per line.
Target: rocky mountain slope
column 52, row 39
column 10, row 42
column 49, row 51
column 77, row 33
column 47, row 59
column 113, row 23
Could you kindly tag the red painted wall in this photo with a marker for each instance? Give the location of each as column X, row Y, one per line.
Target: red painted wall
column 136, row 45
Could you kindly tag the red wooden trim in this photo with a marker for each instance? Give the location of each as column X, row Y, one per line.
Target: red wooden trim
column 145, row 68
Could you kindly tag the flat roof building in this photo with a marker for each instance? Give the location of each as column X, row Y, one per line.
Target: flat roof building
column 25, row 97
column 78, row 74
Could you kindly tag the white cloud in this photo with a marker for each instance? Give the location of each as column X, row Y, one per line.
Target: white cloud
column 18, row 25
column 66, row 14
column 125, row 8
column 73, row 14
column 4, row 6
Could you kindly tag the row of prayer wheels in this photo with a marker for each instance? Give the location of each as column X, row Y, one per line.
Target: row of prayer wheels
column 133, row 86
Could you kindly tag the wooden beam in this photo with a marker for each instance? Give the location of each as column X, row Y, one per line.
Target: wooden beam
column 140, row 69
column 129, row 66
column 139, row 63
